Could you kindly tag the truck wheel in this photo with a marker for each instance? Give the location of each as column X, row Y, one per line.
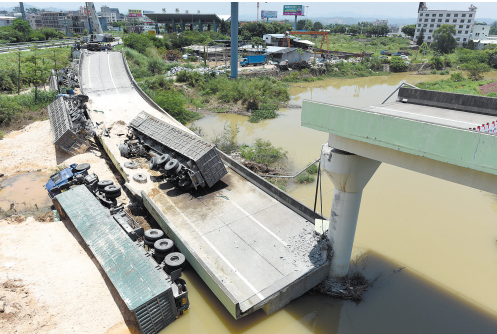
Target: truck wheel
column 131, row 164
column 174, row 261
column 171, row 165
column 140, row 178
column 152, row 164
column 163, row 159
column 112, row 191
column 124, row 150
column 163, row 246
column 104, row 183
column 82, row 167
column 153, row 235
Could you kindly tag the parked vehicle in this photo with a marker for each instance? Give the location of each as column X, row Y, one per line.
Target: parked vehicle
column 386, row 52
column 253, row 60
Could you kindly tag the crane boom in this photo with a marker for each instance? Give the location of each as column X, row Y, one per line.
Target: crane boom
column 95, row 27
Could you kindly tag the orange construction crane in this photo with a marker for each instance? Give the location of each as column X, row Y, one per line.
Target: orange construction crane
column 323, row 33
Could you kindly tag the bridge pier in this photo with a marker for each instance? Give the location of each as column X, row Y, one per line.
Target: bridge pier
column 349, row 173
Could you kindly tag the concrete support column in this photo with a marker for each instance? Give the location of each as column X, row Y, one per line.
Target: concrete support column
column 174, row 26
column 200, row 26
column 349, row 173
column 182, row 24
column 234, row 40
column 215, row 26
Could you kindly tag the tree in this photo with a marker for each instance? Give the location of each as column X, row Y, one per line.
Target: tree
column 317, row 26
column 398, row 64
column 223, row 27
column 443, row 39
column 471, row 44
column 476, row 69
column 409, row 30
column 421, row 37
column 493, row 29
column 354, row 30
column 22, row 26
column 35, row 73
column 139, row 42
column 301, row 24
column 32, row 10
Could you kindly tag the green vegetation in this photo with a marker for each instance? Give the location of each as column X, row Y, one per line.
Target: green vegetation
column 258, row 115
column 17, row 110
column 305, row 178
column 263, row 152
column 20, row 31
column 443, row 39
column 397, row 64
column 313, row 169
column 46, row 60
column 456, row 84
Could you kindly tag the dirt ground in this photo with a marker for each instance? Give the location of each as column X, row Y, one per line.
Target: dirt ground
column 48, row 282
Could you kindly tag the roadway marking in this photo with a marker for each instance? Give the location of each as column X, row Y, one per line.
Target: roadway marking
column 257, row 222
column 110, row 72
column 217, row 251
column 445, row 119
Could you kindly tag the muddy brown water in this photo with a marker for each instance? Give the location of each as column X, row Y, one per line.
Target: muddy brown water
column 442, row 234
column 24, row 188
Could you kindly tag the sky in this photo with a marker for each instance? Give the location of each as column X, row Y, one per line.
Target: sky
column 248, row 10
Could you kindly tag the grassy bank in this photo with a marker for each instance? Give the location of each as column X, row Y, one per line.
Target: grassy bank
column 19, row 110
column 41, row 60
column 458, row 84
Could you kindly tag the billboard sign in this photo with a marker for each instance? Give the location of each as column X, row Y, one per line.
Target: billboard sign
column 293, row 10
column 269, row 14
column 135, row 13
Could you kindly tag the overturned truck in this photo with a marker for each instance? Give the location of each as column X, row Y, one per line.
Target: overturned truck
column 184, row 159
column 70, row 122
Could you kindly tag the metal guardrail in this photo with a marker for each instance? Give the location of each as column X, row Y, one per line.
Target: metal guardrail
column 41, row 44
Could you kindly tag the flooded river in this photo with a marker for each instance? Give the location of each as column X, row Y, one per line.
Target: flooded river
column 444, row 234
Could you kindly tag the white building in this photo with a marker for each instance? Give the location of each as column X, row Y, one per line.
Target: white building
column 480, row 31
column 6, row 20
column 431, row 20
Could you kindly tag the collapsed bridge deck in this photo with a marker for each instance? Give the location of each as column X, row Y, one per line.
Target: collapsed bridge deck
column 252, row 244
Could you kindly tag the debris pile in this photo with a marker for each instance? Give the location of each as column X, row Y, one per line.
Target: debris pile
column 351, row 288
column 309, row 243
column 202, row 70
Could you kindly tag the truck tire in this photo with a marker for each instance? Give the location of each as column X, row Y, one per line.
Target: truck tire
column 171, row 165
column 82, row 167
column 153, row 235
column 131, row 164
column 174, row 261
column 163, row 159
column 163, row 246
column 140, row 178
column 112, row 191
column 104, row 183
column 152, row 164
column 124, row 150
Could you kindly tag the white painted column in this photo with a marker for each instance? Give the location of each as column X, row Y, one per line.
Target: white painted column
column 349, row 173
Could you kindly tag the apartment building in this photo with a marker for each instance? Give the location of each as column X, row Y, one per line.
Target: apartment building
column 431, row 20
column 53, row 20
column 35, row 21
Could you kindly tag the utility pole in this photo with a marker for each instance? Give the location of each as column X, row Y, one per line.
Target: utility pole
column 257, row 12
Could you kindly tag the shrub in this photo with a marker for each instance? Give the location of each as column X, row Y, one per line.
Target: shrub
column 492, row 94
column 173, row 103
column 312, row 169
column 258, row 115
column 263, row 152
column 434, row 71
column 305, row 178
column 437, row 62
column 138, row 42
column 476, row 69
column 155, row 66
column 158, row 82
column 456, row 77
column 397, row 64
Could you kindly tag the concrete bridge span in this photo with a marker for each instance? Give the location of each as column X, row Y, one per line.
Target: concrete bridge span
column 423, row 131
column 251, row 243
